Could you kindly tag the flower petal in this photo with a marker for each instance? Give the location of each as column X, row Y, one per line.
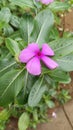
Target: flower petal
column 34, row 66
column 33, row 47
column 46, row 50
column 46, row 1
column 25, row 55
column 51, row 64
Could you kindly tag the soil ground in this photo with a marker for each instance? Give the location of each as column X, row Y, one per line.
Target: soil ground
column 64, row 119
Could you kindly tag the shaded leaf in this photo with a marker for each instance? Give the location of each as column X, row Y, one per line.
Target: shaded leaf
column 10, row 85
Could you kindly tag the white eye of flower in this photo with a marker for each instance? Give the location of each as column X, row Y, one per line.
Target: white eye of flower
column 54, row 115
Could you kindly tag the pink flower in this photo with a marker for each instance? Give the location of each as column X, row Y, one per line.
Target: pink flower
column 32, row 56
column 46, row 1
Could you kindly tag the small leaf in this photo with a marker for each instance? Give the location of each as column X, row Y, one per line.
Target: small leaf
column 50, row 104
column 24, row 121
column 4, row 115
column 5, row 15
column 15, row 21
column 12, row 46
column 8, row 30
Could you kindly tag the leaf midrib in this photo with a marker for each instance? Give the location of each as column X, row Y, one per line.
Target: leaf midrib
column 8, row 66
column 11, row 82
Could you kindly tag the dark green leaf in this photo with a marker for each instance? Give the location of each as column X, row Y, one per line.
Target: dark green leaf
column 10, row 85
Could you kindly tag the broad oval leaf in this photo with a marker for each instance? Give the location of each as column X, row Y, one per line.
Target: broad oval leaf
column 36, row 93
column 24, row 121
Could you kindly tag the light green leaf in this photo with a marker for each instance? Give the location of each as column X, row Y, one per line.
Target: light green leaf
column 44, row 20
column 10, row 85
column 59, row 6
column 66, row 63
column 4, row 115
column 36, row 93
column 60, row 76
column 50, row 104
column 5, row 15
column 23, row 3
column 62, row 46
column 26, row 26
column 24, row 121
column 15, row 21
column 12, row 46
column 7, row 30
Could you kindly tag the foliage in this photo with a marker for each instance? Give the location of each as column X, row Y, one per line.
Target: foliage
column 26, row 96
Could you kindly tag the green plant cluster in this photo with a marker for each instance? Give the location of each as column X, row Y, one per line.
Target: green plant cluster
column 25, row 96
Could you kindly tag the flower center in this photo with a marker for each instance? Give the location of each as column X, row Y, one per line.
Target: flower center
column 39, row 53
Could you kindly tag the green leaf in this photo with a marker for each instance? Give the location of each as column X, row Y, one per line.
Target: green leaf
column 60, row 76
column 62, row 47
column 36, row 93
column 66, row 63
column 6, row 65
column 10, row 85
column 1, row 40
column 50, row 104
column 24, row 121
column 5, row 15
column 26, row 26
column 4, row 115
column 7, row 30
column 15, row 21
column 59, row 6
column 23, row 3
column 12, row 46
column 44, row 20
